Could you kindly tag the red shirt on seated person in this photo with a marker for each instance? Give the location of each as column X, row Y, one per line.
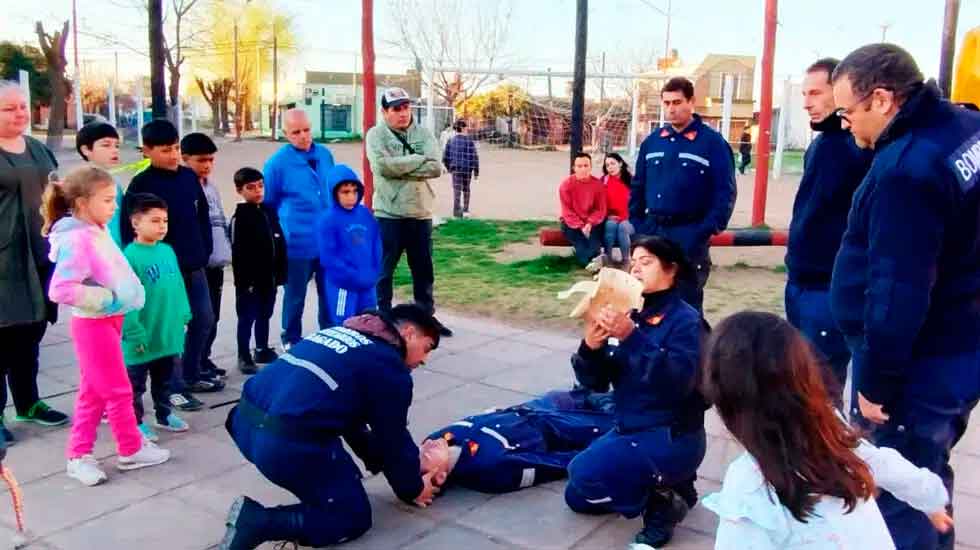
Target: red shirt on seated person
column 583, row 207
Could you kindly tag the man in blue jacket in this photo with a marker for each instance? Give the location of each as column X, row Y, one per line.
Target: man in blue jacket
column 684, row 187
column 296, row 188
column 351, row 382
column 833, row 167
column 906, row 283
column 350, row 247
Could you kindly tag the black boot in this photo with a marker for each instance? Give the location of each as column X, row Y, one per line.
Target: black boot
column 250, row 524
column 665, row 509
column 688, row 492
column 246, row 365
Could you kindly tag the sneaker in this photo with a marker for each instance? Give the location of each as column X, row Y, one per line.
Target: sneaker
column 595, row 265
column 8, row 436
column 220, row 372
column 86, row 470
column 616, row 255
column 247, row 366
column 443, row 329
column 264, row 356
column 148, row 433
column 44, row 415
column 148, row 455
column 173, row 423
column 185, row 402
column 205, row 385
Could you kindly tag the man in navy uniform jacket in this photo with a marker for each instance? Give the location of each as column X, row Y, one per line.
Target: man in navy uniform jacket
column 906, row 284
column 516, row 447
column 833, row 167
column 684, row 187
column 351, row 382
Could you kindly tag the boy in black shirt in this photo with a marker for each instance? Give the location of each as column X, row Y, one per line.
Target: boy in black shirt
column 190, row 237
column 258, row 259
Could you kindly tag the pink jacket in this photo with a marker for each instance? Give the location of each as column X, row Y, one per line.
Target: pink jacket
column 90, row 273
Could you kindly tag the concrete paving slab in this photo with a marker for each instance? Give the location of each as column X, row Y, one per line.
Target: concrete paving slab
column 534, row 517
column 146, row 524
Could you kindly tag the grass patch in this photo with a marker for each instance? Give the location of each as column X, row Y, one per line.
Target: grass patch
column 470, row 280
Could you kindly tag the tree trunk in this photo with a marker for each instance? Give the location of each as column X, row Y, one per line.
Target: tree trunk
column 215, row 118
column 157, row 61
column 248, row 117
column 53, row 47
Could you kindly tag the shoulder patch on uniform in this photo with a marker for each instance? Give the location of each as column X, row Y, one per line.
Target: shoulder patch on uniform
column 965, row 163
column 473, row 447
column 656, row 319
column 664, row 133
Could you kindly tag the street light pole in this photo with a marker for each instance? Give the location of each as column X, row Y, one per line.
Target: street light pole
column 238, row 90
column 79, row 117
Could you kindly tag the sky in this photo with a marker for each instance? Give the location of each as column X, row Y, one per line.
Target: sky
column 541, row 32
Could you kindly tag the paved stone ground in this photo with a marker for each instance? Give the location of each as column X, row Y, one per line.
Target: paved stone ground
column 182, row 504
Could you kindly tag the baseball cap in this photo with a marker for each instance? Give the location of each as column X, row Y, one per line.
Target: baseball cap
column 394, row 97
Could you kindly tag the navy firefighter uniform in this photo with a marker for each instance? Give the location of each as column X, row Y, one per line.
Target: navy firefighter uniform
column 516, row 447
column 347, row 382
column 906, row 292
column 684, row 191
column 833, row 168
column 658, row 438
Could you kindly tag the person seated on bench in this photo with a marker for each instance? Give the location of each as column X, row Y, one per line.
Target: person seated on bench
column 583, row 212
column 646, row 465
column 509, row 449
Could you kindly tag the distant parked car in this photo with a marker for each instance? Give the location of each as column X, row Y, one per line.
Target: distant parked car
column 89, row 118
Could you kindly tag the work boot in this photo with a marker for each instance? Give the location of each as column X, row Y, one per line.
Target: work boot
column 250, row 524
column 665, row 509
column 688, row 492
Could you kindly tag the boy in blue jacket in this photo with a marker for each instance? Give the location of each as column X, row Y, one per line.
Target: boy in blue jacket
column 350, row 247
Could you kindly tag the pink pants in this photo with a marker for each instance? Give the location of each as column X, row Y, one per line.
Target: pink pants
column 104, row 386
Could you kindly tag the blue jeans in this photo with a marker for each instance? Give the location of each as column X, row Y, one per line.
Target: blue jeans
column 586, row 248
column 618, row 234
column 187, row 371
column 809, row 311
column 299, row 273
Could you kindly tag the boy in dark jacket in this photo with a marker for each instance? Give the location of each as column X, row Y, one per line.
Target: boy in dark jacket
column 350, row 247
column 463, row 162
column 258, row 260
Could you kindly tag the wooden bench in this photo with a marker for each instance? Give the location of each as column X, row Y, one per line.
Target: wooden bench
column 552, row 236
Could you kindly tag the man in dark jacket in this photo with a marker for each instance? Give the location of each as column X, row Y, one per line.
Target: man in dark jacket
column 745, row 150
column 906, row 282
column 684, row 187
column 257, row 243
column 351, row 381
column 463, row 162
column 833, row 167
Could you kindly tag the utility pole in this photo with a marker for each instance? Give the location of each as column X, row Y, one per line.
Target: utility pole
column 370, row 93
column 238, row 90
column 602, row 80
column 79, row 117
column 550, row 97
column 275, row 84
column 948, row 48
column 578, row 81
column 884, row 30
column 765, row 117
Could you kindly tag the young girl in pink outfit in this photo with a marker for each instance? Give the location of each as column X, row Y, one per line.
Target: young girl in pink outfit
column 93, row 276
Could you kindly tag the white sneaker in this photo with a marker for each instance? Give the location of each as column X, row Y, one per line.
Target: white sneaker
column 148, row 455
column 595, row 265
column 86, row 470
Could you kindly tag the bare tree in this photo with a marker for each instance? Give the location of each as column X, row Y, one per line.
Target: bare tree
column 216, row 93
column 53, row 48
column 440, row 33
column 175, row 57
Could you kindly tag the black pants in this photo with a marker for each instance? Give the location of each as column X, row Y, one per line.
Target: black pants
column 586, row 248
column 414, row 238
column 461, row 193
column 692, row 292
column 216, row 280
column 21, row 345
column 254, row 308
column 159, row 370
column 746, row 160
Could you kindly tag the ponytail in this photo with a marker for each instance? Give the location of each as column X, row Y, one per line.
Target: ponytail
column 59, row 197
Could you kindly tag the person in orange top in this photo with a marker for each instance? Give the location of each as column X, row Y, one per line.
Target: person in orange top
column 618, row 228
column 583, row 211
